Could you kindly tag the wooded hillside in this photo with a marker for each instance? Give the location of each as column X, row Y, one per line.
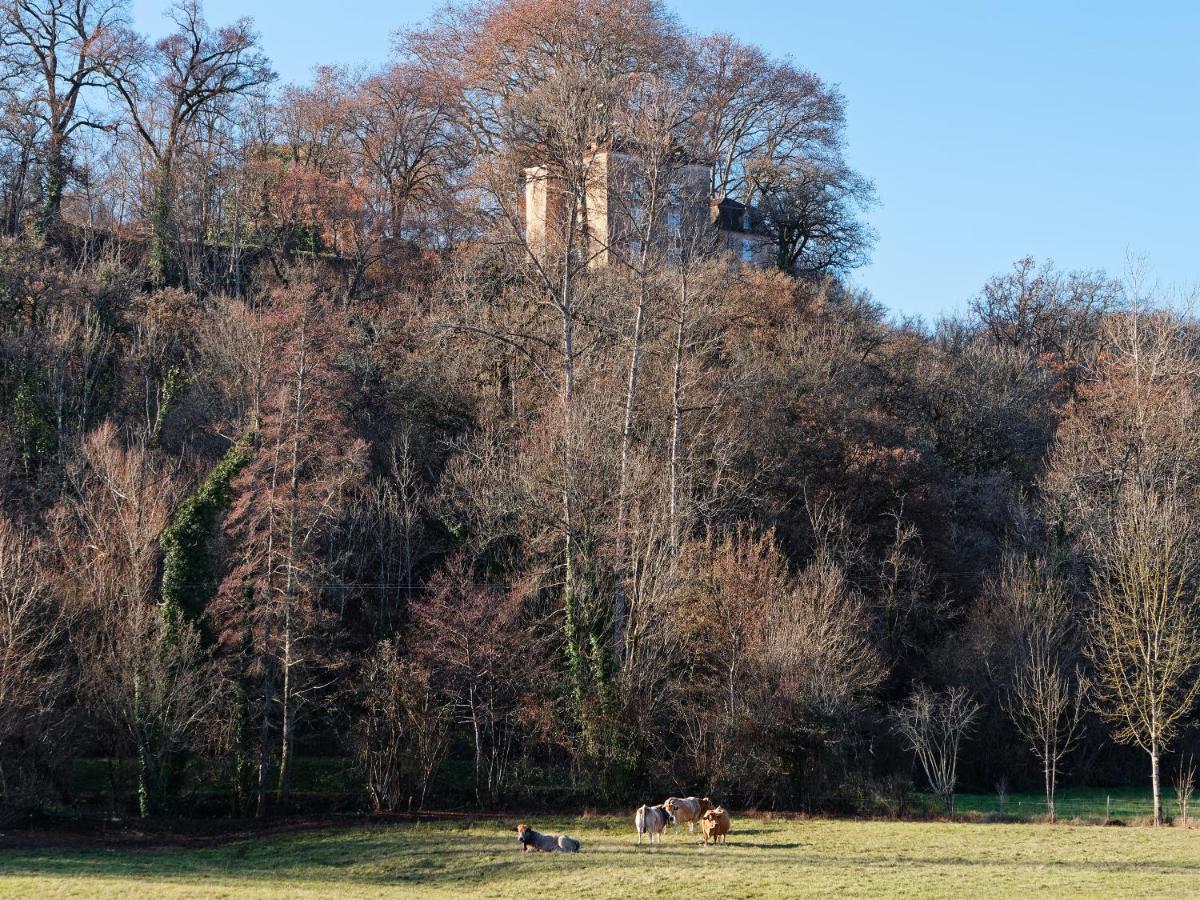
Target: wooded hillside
column 304, row 454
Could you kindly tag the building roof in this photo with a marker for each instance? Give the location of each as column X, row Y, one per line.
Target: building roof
column 733, row 215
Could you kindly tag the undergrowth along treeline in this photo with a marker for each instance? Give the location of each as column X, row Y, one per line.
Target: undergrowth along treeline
column 304, row 453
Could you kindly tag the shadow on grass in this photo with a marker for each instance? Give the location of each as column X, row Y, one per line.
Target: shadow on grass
column 441, row 859
column 429, row 872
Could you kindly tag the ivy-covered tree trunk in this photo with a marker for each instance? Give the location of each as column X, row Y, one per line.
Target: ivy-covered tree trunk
column 50, row 218
column 163, row 255
column 189, row 570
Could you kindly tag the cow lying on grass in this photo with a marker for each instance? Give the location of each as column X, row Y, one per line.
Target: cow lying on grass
column 651, row 821
column 715, row 824
column 545, row 843
column 687, row 809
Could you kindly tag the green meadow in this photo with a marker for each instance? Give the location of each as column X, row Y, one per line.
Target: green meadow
column 764, row 858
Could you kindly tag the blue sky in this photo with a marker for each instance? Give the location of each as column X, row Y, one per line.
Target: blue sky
column 1061, row 128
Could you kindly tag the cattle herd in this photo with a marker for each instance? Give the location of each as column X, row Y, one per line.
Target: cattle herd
column 650, row 822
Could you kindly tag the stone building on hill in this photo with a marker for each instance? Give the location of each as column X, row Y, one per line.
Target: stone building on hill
column 621, row 218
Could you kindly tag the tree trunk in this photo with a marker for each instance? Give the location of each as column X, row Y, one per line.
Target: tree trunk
column 16, row 191
column 1155, row 784
column 635, row 351
column 143, row 755
column 268, row 662
column 264, row 730
column 285, row 737
column 1049, row 772
column 575, row 646
column 241, row 746
column 677, row 401
column 288, row 698
column 56, row 182
column 161, row 258
column 478, row 738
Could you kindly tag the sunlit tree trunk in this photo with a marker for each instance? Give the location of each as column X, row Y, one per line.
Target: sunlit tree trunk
column 677, row 410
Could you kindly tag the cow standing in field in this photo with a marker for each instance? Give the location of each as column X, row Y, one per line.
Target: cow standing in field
column 651, row 821
column 687, row 809
column 715, row 824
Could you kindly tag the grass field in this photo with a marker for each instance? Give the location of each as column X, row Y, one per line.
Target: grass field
column 1087, row 805
column 782, row 858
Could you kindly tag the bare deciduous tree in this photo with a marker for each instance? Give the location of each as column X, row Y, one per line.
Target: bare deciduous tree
column 58, row 50
column 168, row 88
column 1032, row 643
column 144, row 676
column 1185, row 786
column 33, row 668
column 775, row 135
column 410, row 145
column 810, row 208
column 541, row 86
column 463, row 633
column 1047, row 706
column 405, row 728
column 907, row 601
column 1145, row 622
column 933, row 726
column 1041, row 310
column 816, row 646
column 147, row 679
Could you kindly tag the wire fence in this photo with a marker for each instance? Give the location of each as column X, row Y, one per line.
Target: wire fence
column 1092, row 805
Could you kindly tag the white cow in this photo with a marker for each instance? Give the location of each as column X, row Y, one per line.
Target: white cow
column 651, row 821
column 687, row 809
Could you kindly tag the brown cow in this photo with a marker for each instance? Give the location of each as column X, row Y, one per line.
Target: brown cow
column 715, row 824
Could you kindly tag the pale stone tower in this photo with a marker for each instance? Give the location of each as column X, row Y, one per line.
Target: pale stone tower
column 611, row 208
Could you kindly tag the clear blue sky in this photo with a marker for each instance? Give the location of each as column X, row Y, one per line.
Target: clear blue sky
column 1061, row 128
